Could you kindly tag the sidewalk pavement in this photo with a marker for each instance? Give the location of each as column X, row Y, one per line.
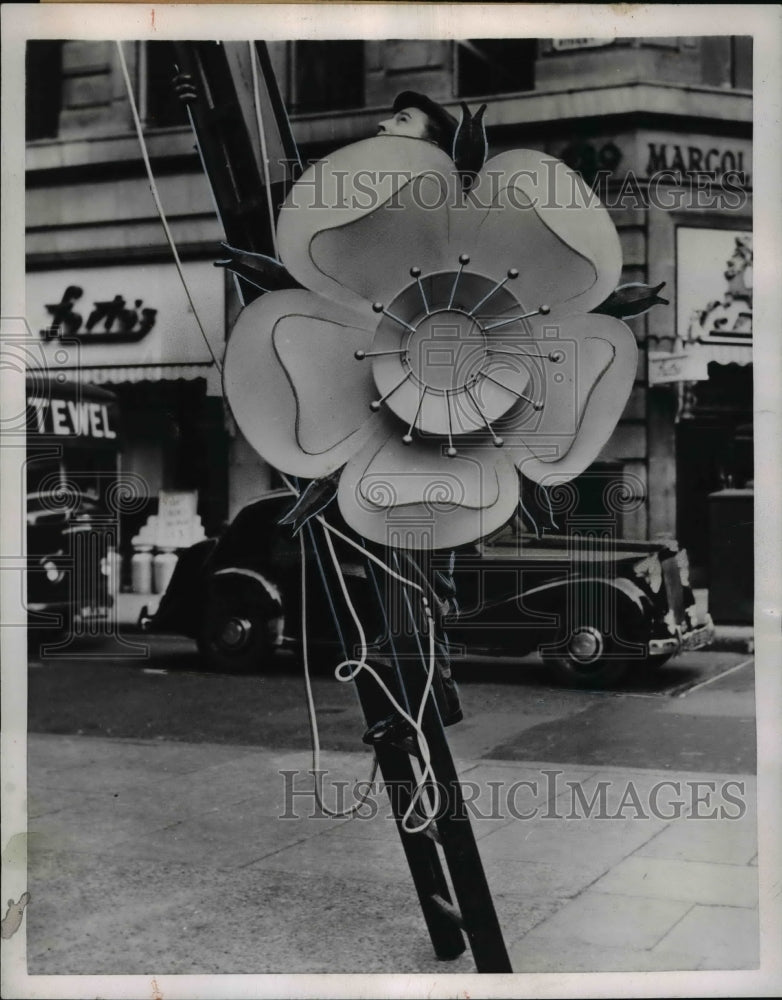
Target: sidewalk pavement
column 156, row 857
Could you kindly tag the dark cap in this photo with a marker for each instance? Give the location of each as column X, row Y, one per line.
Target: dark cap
column 444, row 124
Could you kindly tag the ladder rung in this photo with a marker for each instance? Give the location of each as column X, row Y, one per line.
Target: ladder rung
column 448, row 910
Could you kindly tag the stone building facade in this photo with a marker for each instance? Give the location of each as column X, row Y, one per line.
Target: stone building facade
column 662, row 127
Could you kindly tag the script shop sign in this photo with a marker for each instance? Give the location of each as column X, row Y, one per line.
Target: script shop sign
column 127, row 315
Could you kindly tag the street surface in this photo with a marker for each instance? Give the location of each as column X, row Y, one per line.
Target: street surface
column 694, row 713
column 156, row 843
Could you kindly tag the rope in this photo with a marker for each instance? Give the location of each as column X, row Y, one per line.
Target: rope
column 264, row 150
column 312, row 713
column 550, row 511
column 531, row 518
column 158, row 203
column 355, row 666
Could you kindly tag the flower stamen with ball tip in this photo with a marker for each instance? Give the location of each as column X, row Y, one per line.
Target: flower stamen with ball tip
column 461, row 329
column 481, row 360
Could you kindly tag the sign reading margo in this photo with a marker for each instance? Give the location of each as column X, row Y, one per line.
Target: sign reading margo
column 685, row 159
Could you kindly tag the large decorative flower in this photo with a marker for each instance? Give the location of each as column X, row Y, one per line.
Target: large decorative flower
column 442, row 341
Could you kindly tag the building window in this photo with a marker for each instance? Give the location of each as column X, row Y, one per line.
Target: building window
column 327, row 76
column 495, row 66
column 160, row 106
column 43, row 103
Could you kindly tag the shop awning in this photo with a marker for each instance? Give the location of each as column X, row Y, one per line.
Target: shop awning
column 137, row 373
column 117, row 374
column 724, row 354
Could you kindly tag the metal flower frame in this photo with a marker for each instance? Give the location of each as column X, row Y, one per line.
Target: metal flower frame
column 443, row 341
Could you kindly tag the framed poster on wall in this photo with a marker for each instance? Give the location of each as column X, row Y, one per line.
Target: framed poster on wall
column 714, row 285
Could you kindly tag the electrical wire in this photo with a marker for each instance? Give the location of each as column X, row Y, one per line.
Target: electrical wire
column 158, row 203
column 264, row 150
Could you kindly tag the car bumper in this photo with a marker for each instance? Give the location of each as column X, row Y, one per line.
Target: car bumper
column 696, row 638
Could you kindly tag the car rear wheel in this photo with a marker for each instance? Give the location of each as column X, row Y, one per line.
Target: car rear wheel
column 240, row 630
column 585, row 657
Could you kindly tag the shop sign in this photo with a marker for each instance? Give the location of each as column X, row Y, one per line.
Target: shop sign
column 176, row 518
column 705, row 158
column 108, row 321
column 696, row 156
column 73, row 418
column 664, row 368
column 126, row 315
column 714, row 285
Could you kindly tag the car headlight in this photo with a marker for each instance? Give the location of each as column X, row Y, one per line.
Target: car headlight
column 651, row 572
column 53, row 572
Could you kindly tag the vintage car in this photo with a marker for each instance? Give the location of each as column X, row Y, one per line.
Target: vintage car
column 594, row 608
column 71, row 470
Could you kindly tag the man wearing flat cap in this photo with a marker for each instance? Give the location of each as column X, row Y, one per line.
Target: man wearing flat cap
column 419, row 117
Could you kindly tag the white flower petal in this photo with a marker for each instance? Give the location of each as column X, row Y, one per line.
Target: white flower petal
column 530, row 211
column 294, row 388
column 415, row 497
column 583, row 396
column 356, row 222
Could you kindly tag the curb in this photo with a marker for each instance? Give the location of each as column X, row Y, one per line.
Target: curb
column 733, row 639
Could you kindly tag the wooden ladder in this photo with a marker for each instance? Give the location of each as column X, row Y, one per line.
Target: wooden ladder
column 472, row 914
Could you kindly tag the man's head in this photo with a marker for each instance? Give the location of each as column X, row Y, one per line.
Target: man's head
column 418, row 117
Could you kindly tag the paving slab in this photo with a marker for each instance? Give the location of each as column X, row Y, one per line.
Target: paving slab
column 730, row 842
column 558, row 882
column 607, row 922
column 570, row 956
column 693, row 881
column 721, row 937
column 599, row 841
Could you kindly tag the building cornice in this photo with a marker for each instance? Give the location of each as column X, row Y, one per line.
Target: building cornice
column 678, row 107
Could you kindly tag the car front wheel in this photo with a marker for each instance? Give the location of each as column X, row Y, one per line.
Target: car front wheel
column 586, row 657
column 240, row 630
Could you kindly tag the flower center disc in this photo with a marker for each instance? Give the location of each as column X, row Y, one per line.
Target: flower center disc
column 433, row 361
column 447, row 351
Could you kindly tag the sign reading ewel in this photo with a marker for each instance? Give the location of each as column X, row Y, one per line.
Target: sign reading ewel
column 72, row 418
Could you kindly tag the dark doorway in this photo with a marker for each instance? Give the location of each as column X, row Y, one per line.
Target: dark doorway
column 714, row 451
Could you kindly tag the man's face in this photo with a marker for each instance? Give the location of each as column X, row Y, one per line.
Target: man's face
column 411, row 122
